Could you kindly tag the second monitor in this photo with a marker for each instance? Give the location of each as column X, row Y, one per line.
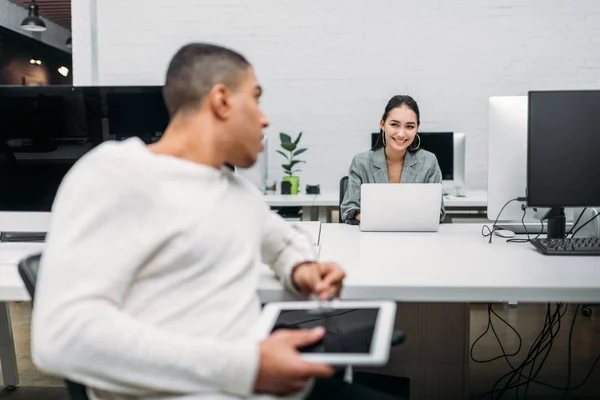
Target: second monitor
column 450, row 150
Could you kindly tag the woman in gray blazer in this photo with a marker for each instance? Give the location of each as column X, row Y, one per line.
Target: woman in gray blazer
column 395, row 158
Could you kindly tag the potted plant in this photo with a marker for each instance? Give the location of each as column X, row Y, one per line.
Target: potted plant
column 291, row 147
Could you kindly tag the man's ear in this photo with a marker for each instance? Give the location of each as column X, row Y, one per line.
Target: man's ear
column 219, row 99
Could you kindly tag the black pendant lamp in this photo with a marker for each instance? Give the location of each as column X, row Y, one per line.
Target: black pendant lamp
column 33, row 22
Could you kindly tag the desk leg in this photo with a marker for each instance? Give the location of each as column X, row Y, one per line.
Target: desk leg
column 309, row 213
column 435, row 356
column 324, row 214
column 8, row 358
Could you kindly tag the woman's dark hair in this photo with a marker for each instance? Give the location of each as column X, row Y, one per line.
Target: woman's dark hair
column 395, row 102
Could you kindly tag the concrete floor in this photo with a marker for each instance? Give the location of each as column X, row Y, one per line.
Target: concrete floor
column 527, row 319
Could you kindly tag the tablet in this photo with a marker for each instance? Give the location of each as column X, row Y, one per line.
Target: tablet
column 356, row 332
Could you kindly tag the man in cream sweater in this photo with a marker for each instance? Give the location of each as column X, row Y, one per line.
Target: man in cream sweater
column 148, row 284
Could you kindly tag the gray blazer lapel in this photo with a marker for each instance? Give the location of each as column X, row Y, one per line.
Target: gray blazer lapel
column 380, row 173
column 408, row 170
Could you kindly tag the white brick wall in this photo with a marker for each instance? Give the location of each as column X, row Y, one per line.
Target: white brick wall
column 329, row 67
column 11, row 16
column 83, row 46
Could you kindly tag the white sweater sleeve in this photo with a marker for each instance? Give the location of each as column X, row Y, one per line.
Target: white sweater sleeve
column 101, row 234
column 284, row 246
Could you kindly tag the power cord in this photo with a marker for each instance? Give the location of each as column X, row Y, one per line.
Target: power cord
column 492, row 231
column 542, row 345
column 526, row 231
column 532, row 375
column 569, row 353
column 576, row 222
column 486, row 231
column 536, row 349
column 490, row 325
column 587, row 222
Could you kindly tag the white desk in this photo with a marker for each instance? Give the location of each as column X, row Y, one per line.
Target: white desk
column 289, row 200
column 318, row 207
column 435, row 276
column 472, row 199
column 309, row 213
column 455, row 265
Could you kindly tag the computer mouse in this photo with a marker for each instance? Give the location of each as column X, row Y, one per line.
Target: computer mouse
column 504, row 233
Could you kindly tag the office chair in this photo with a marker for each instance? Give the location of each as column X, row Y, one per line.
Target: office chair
column 343, row 188
column 28, row 269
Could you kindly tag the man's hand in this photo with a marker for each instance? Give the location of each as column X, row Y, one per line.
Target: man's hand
column 323, row 279
column 281, row 370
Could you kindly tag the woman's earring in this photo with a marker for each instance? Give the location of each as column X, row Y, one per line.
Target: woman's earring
column 412, row 145
column 383, row 137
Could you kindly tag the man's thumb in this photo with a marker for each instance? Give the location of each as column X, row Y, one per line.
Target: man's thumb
column 306, row 337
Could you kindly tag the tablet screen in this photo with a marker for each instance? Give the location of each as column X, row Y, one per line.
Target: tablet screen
column 346, row 330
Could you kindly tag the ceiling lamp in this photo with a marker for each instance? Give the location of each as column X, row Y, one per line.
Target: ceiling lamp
column 33, row 22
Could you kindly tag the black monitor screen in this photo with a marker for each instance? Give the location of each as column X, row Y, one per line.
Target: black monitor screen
column 563, row 155
column 439, row 143
column 346, row 330
column 125, row 106
column 442, row 145
column 44, row 130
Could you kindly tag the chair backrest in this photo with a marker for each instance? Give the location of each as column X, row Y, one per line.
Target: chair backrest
column 343, row 188
column 28, row 269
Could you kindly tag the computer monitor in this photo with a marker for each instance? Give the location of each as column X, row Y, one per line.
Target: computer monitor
column 507, row 158
column 44, row 130
column 450, row 150
column 563, row 153
column 125, row 105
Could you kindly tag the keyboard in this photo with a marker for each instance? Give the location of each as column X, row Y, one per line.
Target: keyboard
column 532, row 228
column 568, row 247
column 22, row 237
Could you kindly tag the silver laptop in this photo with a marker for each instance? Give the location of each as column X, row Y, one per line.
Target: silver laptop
column 400, row 207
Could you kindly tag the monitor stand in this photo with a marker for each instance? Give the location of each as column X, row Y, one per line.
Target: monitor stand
column 22, row 237
column 557, row 223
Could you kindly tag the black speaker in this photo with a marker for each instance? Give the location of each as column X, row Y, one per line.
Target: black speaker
column 286, row 187
column 313, row 189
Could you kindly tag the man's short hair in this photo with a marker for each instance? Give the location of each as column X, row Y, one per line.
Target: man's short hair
column 195, row 69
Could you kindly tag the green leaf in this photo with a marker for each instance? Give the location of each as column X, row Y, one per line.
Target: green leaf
column 285, row 138
column 296, row 170
column 299, row 151
column 283, row 154
column 289, row 146
column 298, row 139
column 287, row 167
column 294, row 162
